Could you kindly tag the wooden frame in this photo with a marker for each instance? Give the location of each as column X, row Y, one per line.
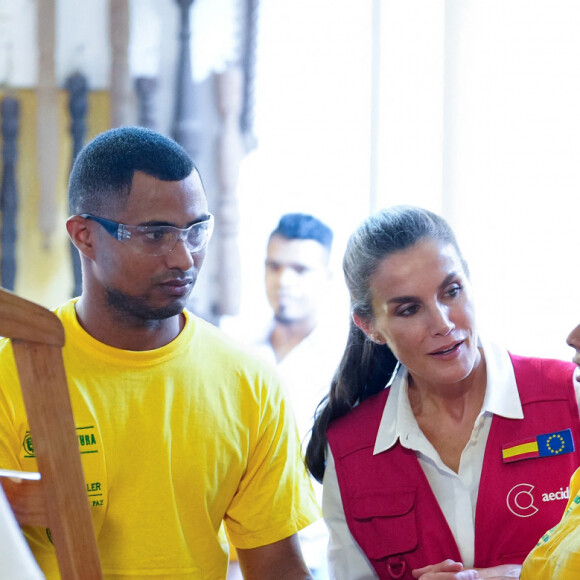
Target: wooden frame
column 37, row 337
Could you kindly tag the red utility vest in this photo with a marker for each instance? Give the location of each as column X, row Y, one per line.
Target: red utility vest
column 390, row 508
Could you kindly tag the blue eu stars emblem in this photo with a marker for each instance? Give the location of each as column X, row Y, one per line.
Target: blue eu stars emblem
column 557, row 443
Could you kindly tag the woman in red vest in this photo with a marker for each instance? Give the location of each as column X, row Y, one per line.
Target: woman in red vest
column 460, row 465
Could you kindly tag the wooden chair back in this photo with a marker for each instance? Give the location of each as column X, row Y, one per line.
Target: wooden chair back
column 37, row 337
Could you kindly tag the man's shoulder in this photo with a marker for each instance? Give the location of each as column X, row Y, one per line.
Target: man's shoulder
column 247, row 330
column 206, row 331
column 217, row 341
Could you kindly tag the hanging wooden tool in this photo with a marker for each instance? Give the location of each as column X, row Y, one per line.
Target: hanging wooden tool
column 77, row 87
column 8, row 192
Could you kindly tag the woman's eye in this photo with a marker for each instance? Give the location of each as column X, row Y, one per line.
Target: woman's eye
column 408, row 310
column 454, row 290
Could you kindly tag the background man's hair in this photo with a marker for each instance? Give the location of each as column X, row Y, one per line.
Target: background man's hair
column 302, row 226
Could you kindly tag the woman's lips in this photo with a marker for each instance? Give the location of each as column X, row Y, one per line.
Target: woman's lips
column 448, row 350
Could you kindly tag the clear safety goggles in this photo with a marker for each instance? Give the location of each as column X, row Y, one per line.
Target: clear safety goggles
column 158, row 240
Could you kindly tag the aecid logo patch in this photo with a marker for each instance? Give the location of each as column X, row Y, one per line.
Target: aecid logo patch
column 520, row 500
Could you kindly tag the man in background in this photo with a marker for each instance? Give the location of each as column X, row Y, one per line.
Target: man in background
column 301, row 338
column 297, row 277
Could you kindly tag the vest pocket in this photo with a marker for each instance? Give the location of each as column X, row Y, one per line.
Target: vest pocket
column 384, row 523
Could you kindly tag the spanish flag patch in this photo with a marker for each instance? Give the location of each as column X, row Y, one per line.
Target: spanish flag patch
column 548, row 445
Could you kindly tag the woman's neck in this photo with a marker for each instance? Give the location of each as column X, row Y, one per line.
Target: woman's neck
column 446, row 414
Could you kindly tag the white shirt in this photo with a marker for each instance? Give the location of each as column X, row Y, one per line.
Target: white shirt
column 456, row 493
column 306, row 372
column 16, row 560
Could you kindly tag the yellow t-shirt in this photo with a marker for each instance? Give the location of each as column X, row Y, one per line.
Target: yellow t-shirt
column 557, row 554
column 173, row 442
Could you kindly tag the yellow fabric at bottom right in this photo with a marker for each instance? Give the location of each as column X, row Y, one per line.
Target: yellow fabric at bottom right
column 557, row 554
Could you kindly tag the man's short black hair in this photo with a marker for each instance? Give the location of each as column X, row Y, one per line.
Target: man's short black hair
column 103, row 170
column 302, row 226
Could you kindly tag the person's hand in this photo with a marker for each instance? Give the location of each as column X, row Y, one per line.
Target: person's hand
column 446, row 570
column 26, row 499
column 450, row 570
column 503, row 572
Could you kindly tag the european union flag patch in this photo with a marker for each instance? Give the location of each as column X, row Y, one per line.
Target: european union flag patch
column 548, row 445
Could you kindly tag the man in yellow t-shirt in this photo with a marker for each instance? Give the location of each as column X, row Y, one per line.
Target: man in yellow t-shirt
column 557, row 554
column 180, row 430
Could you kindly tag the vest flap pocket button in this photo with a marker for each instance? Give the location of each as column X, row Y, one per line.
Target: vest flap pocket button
column 383, row 523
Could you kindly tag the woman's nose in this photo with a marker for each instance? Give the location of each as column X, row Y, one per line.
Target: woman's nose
column 574, row 339
column 441, row 321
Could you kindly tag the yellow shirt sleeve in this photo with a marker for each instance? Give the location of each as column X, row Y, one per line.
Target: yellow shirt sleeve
column 557, row 554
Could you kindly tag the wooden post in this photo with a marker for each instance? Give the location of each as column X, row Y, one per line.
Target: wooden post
column 77, row 87
column 230, row 151
column 9, row 191
column 249, row 47
column 47, row 120
column 185, row 125
column 146, row 87
column 121, row 90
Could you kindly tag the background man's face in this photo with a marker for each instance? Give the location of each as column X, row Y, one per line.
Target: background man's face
column 296, row 278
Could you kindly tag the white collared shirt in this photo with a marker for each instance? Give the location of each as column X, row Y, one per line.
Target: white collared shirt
column 455, row 492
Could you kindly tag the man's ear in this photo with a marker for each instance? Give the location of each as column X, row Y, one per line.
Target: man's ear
column 80, row 235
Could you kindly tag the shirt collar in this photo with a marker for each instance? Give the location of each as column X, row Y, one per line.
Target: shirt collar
column 501, row 398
